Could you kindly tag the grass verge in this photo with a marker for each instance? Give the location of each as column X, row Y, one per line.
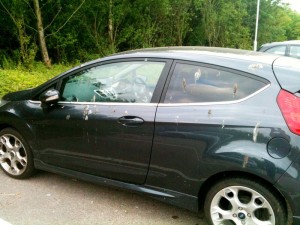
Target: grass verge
column 20, row 78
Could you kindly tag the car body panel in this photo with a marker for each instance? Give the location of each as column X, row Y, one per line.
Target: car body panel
column 97, row 143
column 175, row 198
column 19, row 116
column 287, row 72
column 19, row 95
column 289, row 186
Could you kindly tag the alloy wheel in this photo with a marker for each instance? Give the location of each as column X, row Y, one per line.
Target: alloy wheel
column 235, row 205
column 13, row 156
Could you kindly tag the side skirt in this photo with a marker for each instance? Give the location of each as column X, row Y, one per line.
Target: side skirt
column 174, row 198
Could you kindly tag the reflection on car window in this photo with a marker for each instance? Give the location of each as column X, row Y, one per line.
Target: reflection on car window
column 193, row 83
column 295, row 51
column 115, row 82
column 278, row 50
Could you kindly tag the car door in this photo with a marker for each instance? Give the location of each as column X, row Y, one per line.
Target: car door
column 104, row 123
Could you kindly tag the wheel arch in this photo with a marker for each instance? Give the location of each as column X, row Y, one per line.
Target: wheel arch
column 235, row 174
column 8, row 120
column 4, row 125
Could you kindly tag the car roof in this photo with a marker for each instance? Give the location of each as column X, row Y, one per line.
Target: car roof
column 195, row 53
column 297, row 42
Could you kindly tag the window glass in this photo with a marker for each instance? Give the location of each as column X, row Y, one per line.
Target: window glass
column 295, row 51
column 278, row 50
column 115, row 82
column 192, row 83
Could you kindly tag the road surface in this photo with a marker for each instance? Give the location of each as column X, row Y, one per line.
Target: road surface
column 52, row 199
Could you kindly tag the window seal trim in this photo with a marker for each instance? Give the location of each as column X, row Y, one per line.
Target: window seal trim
column 100, row 103
column 160, row 104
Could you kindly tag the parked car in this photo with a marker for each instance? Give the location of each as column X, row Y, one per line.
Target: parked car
column 195, row 127
column 285, row 48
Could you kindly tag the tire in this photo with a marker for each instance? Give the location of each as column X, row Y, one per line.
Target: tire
column 16, row 158
column 241, row 201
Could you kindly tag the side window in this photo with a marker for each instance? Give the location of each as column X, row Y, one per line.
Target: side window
column 278, row 50
column 295, row 51
column 115, row 82
column 193, row 83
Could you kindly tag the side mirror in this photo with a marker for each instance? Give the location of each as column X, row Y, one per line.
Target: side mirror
column 49, row 97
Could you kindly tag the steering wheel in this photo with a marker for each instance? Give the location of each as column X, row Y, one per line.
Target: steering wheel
column 141, row 90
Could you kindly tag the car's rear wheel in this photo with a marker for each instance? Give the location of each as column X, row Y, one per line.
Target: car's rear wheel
column 240, row 201
column 15, row 155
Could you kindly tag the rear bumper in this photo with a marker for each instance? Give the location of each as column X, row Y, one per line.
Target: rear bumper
column 289, row 186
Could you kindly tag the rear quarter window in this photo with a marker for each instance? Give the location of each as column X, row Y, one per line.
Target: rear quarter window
column 199, row 84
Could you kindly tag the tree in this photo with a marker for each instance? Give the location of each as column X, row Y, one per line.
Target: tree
column 293, row 28
column 41, row 29
column 223, row 24
column 18, row 11
column 41, row 33
column 149, row 24
column 82, row 30
column 181, row 17
column 118, row 10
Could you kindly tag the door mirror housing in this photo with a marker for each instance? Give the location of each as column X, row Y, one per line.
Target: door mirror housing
column 49, row 97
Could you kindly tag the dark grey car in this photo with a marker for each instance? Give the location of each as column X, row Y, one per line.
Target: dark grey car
column 195, row 127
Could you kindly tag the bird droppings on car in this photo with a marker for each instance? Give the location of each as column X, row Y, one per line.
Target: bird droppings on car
column 255, row 66
column 255, row 132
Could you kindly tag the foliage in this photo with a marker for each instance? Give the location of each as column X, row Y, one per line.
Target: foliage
column 20, row 78
column 223, row 24
column 293, row 30
column 86, row 29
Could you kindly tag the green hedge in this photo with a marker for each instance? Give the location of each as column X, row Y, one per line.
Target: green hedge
column 20, row 79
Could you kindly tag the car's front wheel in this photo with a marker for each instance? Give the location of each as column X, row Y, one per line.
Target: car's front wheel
column 15, row 154
column 241, row 201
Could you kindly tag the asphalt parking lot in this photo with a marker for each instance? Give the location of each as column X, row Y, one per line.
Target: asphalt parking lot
column 52, row 199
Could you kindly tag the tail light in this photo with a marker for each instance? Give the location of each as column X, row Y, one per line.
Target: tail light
column 289, row 105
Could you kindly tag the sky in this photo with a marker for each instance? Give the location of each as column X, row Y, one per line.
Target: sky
column 294, row 4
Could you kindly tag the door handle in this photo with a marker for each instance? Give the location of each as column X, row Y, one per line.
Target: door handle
column 130, row 121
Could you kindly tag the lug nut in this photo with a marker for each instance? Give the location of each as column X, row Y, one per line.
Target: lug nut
column 234, row 215
column 249, row 215
column 240, row 208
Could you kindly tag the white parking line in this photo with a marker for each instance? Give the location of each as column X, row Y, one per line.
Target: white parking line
column 3, row 222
